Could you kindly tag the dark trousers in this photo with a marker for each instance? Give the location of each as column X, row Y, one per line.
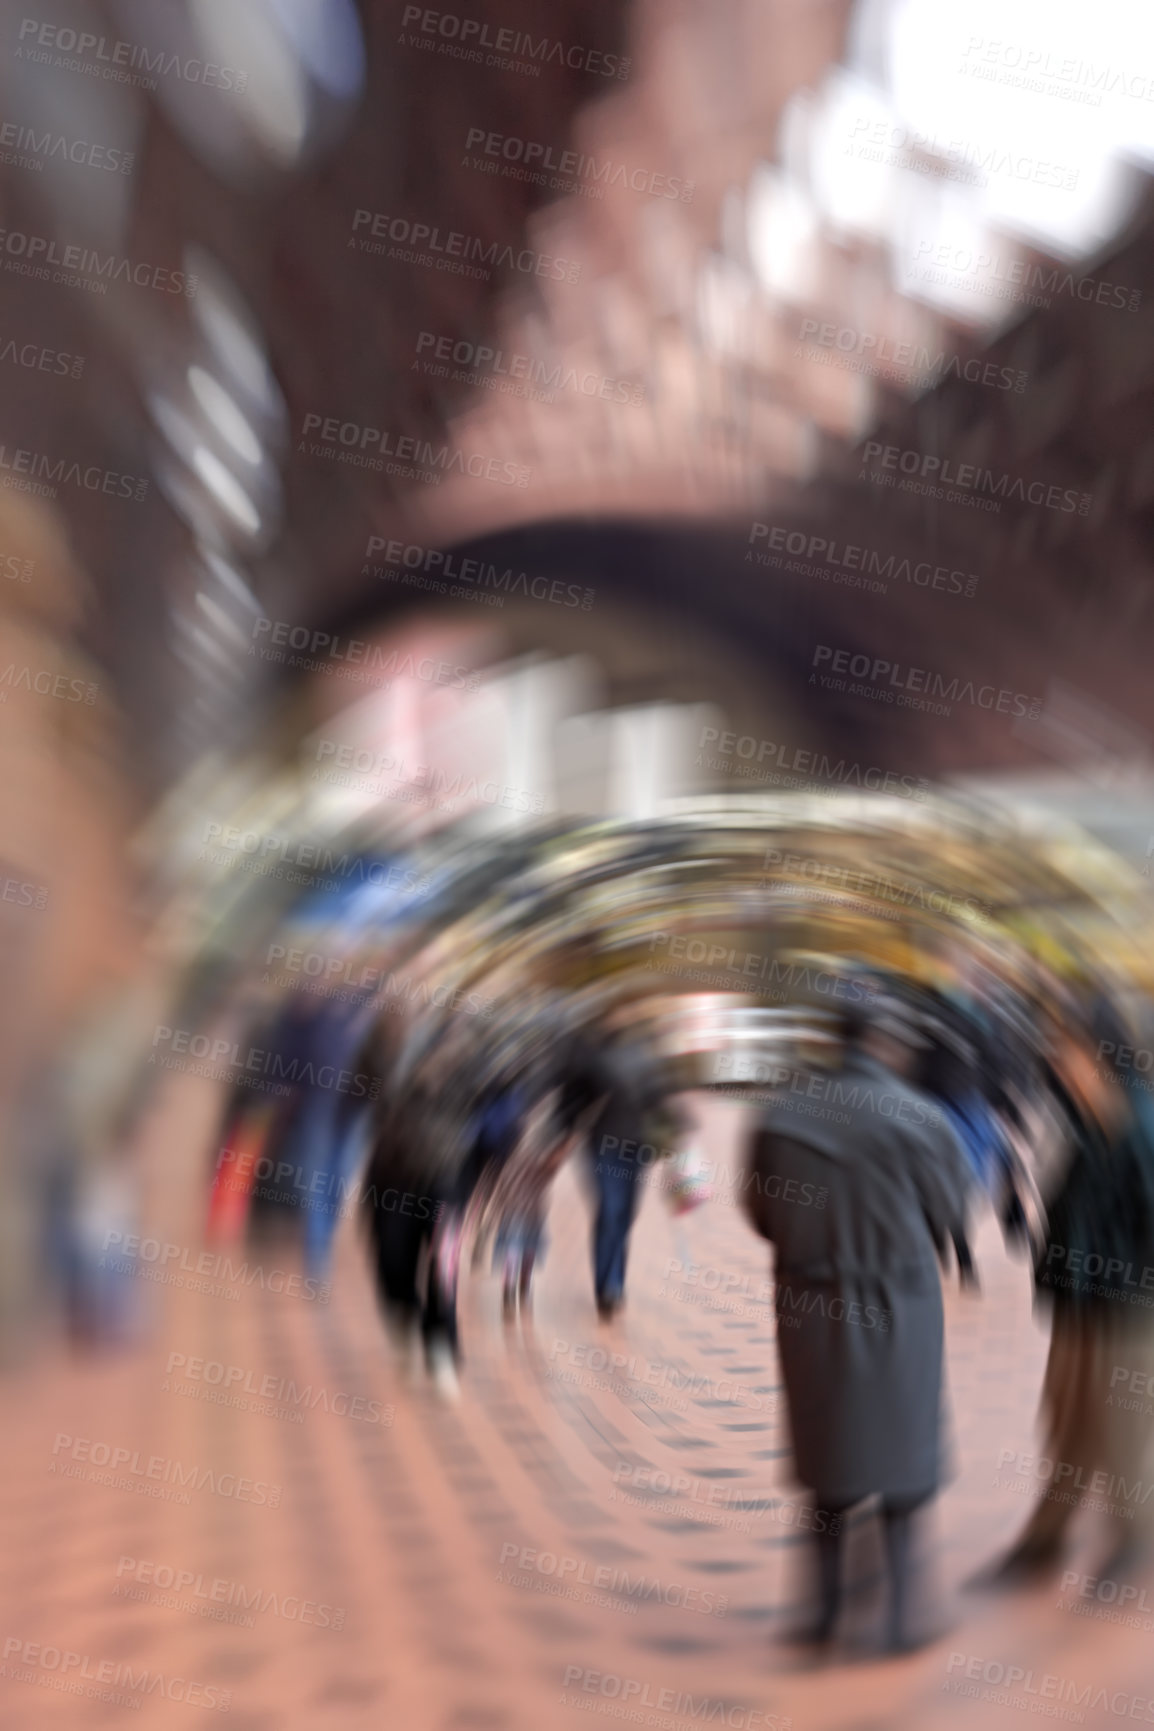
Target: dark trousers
column 403, row 1245
column 405, row 1241
column 616, row 1178
column 897, row 1514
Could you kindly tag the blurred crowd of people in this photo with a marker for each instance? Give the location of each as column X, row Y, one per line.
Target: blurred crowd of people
column 941, row 1097
column 438, row 1118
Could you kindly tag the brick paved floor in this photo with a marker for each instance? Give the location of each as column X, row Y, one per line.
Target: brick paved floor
column 398, row 1601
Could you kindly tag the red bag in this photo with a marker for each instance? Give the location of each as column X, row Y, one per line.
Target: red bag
column 236, row 1164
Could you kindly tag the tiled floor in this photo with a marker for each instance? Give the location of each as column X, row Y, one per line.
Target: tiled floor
column 462, row 1566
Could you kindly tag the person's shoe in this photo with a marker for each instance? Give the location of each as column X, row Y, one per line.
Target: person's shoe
column 607, row 1308
column 442, row 1364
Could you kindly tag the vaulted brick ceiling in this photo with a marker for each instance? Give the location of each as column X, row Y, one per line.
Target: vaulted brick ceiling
column 727, row 419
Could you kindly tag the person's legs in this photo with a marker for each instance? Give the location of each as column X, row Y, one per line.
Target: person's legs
column 512, row 1265
column 1073, row 1438
column 830, row 1546
column 397, row 1242
column 967, row 1273
column 1125, row 1338
column 830, row 1543
column 1015, row 1226
column 897, row 1531
column 439, row 1320
column 344, row 1143
column 310, row 1146
column 531, row 1251
column 442, row 1270
column 617, row 1205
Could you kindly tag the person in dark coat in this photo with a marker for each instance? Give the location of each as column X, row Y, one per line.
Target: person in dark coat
column 402, row 1206
column 434, row 1146
column 858, row 1182
column 1091, row 1269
